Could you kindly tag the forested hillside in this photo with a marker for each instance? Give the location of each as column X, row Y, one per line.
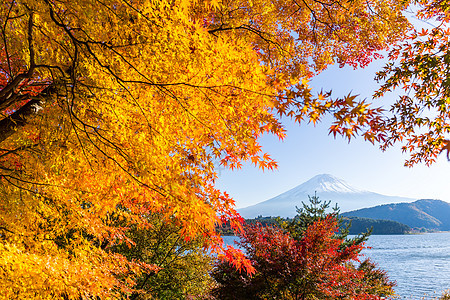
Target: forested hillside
column 360, row 225
column 425, row 213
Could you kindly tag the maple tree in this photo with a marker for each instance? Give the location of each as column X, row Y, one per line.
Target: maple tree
column 317, row 266
column 419, row 66
column 116, row 110
column 307, row 257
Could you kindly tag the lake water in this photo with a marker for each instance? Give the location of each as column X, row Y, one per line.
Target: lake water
column 420, row 264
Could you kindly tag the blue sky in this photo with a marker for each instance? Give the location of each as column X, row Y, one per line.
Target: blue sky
column 308, row 151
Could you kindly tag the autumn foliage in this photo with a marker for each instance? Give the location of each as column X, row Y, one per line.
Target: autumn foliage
column 112, row 111
column 419, row 70
column 314, row 267
column 307, row 257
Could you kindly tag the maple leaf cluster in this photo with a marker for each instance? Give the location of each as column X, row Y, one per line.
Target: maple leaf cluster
column 419, row 66
column 316, row 266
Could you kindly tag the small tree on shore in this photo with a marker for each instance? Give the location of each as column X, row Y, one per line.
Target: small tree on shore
column 317, row 210
column 315, row 262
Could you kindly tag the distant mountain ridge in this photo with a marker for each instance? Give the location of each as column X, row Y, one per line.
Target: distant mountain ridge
column 424, row 213
column 328, row 187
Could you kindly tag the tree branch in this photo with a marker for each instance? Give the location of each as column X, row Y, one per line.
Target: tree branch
column 19, row 118
column 7, row 93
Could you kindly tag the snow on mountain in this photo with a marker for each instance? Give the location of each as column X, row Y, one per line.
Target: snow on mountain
column 325, row 183
column 327, row 187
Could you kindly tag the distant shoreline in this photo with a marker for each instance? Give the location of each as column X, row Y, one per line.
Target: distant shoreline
column 358, row 226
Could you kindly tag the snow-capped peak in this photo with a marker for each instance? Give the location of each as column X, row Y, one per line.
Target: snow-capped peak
column 326, row 183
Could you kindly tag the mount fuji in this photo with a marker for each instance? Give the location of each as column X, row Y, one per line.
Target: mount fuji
column 327, row 188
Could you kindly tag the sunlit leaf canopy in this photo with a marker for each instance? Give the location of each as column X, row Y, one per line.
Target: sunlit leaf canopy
column 419, row 70
column 112, row 111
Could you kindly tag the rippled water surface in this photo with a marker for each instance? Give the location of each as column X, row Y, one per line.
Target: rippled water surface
column 420, row 264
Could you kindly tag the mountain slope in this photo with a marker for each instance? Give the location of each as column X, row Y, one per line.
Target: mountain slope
column 327, row 187
column 426, row 213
